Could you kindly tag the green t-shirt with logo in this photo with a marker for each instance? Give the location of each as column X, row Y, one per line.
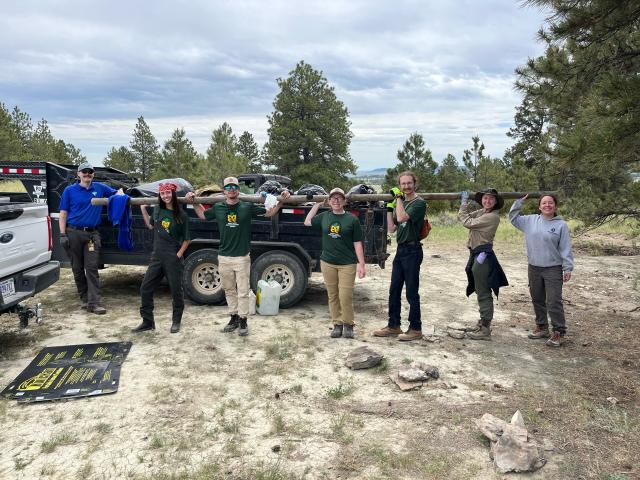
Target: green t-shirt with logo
column 234, row 224
column 338, row 234
column 178, row 231
column 409, row 231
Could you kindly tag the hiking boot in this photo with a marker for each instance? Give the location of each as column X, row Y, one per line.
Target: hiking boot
column 541, row 331
column 97, row 309
column 84, row 305
column 347, row 332
column 233, row 323
column 175, row 327
column 387, row 332
column 243, row 330
column 483, row 334
column 556, row 340
column 337, row 331
column 410, row 335
column 474, row 327
column 144, row 326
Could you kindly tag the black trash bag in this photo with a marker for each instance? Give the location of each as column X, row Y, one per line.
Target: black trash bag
column 360, row 189
column 271, row 186
column 151, row 189
column 311, row 189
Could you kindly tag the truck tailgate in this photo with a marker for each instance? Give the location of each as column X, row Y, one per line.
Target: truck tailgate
column 24, row 237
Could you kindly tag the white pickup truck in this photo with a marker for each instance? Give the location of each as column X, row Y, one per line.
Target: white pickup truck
column 26, row 267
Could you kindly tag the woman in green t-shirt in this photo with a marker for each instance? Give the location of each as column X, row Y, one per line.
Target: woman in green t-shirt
column 171, row 237
column 341, row 258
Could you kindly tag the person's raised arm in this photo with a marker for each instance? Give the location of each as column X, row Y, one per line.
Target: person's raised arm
column 272, row 211
column 145, row 216
column 312, row 213
column 199, row 209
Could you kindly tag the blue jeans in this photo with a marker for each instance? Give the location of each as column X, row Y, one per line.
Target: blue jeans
column 406, row 271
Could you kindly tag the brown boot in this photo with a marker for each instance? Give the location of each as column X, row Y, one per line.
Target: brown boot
column 539, row 332
column 483, row 334
column 410, row 335
column 556, row 340
column 387, row 332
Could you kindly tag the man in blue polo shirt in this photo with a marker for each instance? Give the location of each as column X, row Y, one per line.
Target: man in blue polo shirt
column 79, row 235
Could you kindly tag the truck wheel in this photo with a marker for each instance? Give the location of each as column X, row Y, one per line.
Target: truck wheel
column 201, row 278
column 286, row 269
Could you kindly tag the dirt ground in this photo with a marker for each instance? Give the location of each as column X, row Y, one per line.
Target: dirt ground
column 280, row 404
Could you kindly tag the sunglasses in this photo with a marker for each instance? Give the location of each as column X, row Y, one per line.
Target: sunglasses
column 87, row 171
column 231, row 187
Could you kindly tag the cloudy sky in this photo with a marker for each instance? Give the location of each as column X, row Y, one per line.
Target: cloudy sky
column 440, row 68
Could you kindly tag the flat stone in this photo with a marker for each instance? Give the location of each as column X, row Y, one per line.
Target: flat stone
column 491, row 427
column 363, row 357
column 430, row 370
column 458, row 334
column 403, row 384
column 413, row 374
column 456, row 326
column 511, row 454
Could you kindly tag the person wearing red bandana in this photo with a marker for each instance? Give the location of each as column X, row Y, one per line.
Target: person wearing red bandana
column 171, row 237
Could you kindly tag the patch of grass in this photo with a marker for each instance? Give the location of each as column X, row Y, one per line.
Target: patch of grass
column 57, row 417
column 616, row 476
column 231, row 425
column 47, row 470
column 341, row 390
column 103, row 428
column 481, row 439
column 297, row 388
column 20, row 463
column 382, row 367
column 277, row 424
column 343, row 426
column 281, row 348
column 64, row 438
column 406, row 361
column 157, row 441
column 612, row 419
column 85, row 471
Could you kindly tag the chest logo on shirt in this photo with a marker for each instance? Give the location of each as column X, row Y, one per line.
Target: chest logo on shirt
column 166, row 223
column 232, row 220
column 334, row 230
column 94, row 193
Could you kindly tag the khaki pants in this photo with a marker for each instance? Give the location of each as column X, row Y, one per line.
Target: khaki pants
column 339, row 280
column 235, row 281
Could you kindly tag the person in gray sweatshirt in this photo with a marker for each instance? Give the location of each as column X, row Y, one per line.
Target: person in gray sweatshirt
column 550, row 257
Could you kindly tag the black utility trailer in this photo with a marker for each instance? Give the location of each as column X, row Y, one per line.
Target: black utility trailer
column 282, row 248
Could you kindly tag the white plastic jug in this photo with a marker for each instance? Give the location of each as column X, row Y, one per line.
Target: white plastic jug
column 252, row 303
column 268, row 297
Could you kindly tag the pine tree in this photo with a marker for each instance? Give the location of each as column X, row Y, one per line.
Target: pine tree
column 309, row 130
column 223, row 159
column 415, row 157
column 145, row 151
column 179, row 158
column 120, row 159
column 248, row 148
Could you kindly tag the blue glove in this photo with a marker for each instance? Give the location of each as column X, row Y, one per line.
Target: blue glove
column 464, row 196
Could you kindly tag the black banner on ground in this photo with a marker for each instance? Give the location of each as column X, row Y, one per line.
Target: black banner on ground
column 70, row 371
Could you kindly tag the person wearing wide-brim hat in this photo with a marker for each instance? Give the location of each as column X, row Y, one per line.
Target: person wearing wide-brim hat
column 484, row 273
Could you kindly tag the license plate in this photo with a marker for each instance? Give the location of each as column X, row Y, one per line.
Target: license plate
column 7, row 288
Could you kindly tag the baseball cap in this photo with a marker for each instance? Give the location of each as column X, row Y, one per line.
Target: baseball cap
column 338, row 191
column 230, row 181
column 85, row 166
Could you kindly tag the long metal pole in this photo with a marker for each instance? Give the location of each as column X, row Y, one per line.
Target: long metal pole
column 298, row 199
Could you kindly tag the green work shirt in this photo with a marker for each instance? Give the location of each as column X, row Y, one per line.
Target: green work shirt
column 178, row 231
column 409, row 231
column 234, row 224
column 338, row 234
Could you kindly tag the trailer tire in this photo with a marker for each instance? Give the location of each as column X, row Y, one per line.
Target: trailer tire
column 201, row 278
column 287, row 270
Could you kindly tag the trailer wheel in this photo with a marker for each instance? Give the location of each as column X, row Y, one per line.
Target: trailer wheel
column 201, row 278
column 286, row 269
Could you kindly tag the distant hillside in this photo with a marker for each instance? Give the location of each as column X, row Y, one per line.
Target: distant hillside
column 376, row 172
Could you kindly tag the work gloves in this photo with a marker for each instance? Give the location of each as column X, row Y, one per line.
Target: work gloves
column 396, row 193
column 464, row 196
column 64, row 241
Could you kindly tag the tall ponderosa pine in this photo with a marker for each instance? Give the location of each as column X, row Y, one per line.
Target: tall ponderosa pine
column 586, row 90
column 415, row 157
column 120, row 159
column 223, row 159
column 309, row 130
column 248, row 148
column 145, row 151
column 179, row 158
